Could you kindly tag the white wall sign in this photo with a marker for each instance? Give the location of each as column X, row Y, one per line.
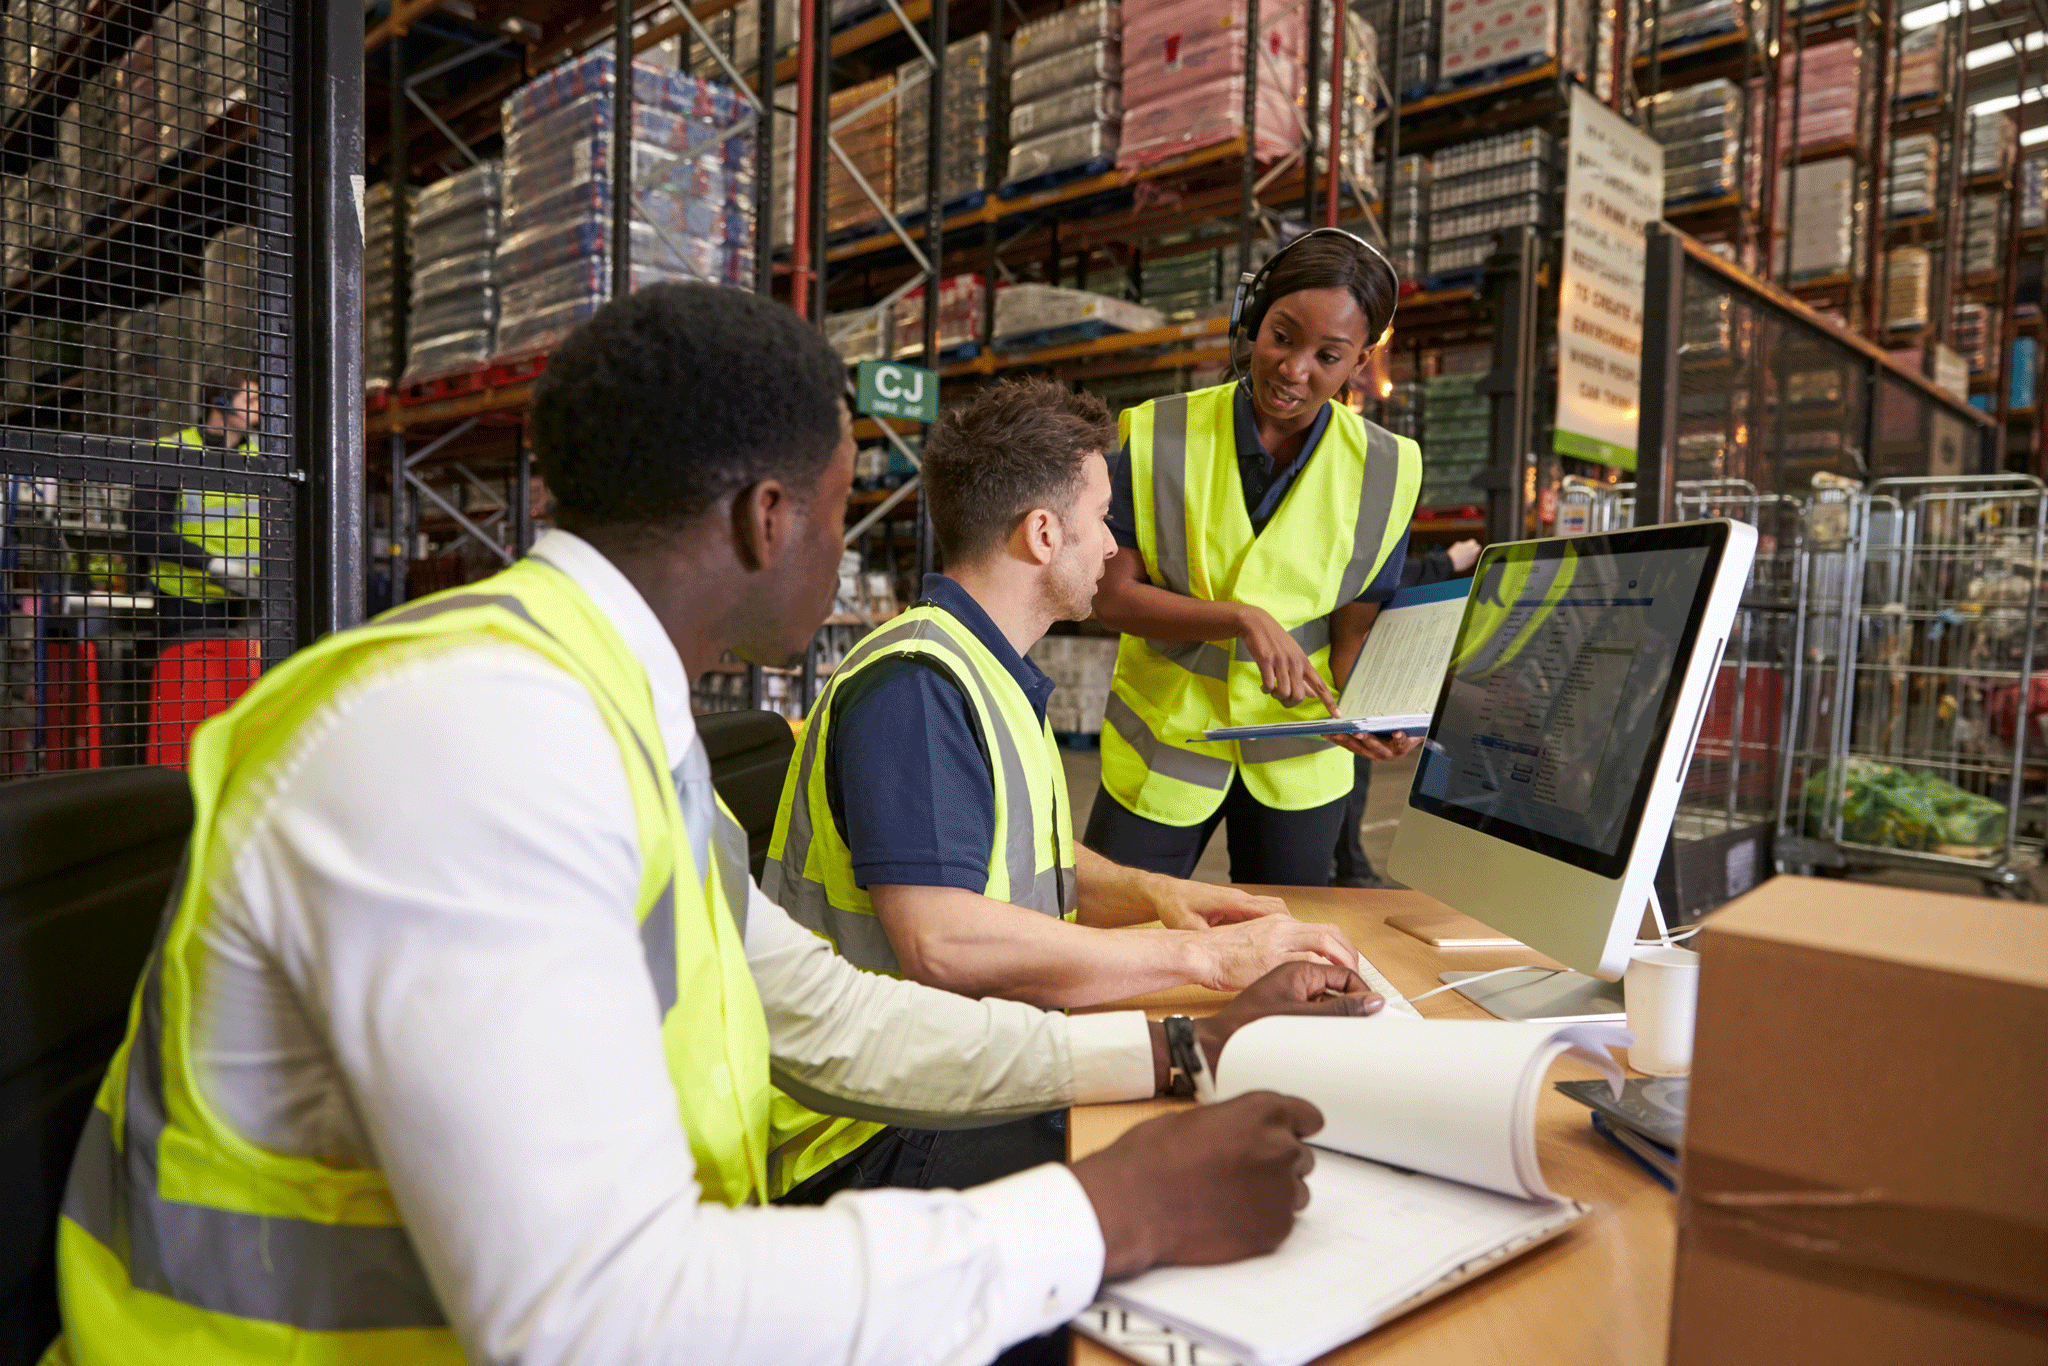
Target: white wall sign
column 1614, row 185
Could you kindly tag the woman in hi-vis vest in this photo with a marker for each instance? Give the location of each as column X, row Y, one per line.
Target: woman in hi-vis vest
column 1260, row 526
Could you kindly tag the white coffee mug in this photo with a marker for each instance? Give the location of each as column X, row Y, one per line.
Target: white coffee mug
column 1662, row 988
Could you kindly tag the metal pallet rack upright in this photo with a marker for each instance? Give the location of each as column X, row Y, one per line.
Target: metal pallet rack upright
column 180, row 241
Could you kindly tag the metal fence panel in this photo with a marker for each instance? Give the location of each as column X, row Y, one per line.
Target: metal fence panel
column 148, row 531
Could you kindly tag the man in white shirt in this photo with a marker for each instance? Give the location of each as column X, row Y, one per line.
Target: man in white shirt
column 405, row 1077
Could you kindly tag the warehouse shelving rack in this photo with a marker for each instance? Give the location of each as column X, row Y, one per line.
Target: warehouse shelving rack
column 1071, row 232
column 470, row 444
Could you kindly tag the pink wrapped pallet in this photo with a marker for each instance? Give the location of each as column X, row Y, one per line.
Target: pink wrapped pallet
column 1171, row 47
column 1209, row 113
column 1827, row 87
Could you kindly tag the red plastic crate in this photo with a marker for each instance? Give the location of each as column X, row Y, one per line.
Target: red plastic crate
column 518, row 370
column 195, row 679
column 454, row 384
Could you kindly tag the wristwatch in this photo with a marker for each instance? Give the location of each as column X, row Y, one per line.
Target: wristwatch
column 1187, row 1070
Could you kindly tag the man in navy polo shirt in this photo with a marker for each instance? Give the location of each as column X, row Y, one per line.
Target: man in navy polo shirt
column 925, row 827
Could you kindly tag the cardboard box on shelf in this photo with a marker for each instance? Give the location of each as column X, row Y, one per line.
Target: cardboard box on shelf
column 869, row 142
column 1863, row 1173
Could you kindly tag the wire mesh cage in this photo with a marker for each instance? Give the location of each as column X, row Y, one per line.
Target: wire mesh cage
column 147, row 527
column 1934, row 701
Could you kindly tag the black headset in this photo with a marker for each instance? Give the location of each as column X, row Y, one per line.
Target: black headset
column 1248, row 309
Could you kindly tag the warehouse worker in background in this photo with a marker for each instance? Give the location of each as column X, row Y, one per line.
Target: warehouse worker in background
column 925, row 828
column 443, row 1054
column 1261, row 525
column 1351, row 867
column 206, row 548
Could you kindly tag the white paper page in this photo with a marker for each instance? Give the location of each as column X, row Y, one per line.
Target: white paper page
column 1370, row 1239
column 1400, row 669
column 1455, row 1098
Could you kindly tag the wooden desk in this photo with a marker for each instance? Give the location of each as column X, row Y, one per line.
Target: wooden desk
column 1599, row 1294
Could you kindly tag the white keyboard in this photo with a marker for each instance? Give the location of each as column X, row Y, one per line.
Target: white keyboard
column 1375, row 979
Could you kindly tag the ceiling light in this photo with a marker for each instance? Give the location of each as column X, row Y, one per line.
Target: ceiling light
column 1934, row 14
column 2002, row 51
column 2034, row 135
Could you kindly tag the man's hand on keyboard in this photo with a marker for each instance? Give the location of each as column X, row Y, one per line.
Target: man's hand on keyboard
column 1238, row 957
column 1290, row 989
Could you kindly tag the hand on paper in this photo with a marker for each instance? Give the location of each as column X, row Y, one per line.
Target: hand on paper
column 1385, row 749
column 1285, row 670
column 1290, row 989
column 1184, row 904
column 1213, row 1184
column 1241, row 956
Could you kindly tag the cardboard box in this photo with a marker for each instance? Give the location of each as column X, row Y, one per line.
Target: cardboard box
column 1864, row 1170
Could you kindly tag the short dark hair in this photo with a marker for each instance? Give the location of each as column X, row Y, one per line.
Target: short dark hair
column 1019, row 446
column 666, row 401
column 1331, row 262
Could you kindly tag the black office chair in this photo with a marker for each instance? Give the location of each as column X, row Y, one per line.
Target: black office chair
column 749, row 753
column 86, row 862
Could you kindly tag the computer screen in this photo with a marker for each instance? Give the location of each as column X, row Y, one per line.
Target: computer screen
column 1561, row 688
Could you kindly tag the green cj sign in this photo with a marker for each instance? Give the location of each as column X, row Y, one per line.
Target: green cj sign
column 890, row 390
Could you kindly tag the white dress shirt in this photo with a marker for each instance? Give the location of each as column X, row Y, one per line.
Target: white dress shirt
column 424, row 959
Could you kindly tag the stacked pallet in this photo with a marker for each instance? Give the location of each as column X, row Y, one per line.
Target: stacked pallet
column 692, row 215
column 868, row 140
column 1184, row 80
column 380, row 287
column 1457, row 430
column 454, row 313
column 1029, row 316
column 1408, row 217
column 960, row 308
column 1984, row 235
column 973, row 108
column 1184, row 288
column 1478, row 39
column 1974, row 335
column 1923, row 64
column 1700, row 127
column 1481, row 187
column 1818, row 201
column 1066, row 92
column 1821, row 85
column 1910, row 184
column 1080, row 668
column 1908, row 273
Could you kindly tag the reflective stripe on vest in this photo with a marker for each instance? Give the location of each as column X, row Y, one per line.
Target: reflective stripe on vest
column 226, row 526
column 1023, row 831
column 234, row 1244
column 1314, row 555
column 810, row 870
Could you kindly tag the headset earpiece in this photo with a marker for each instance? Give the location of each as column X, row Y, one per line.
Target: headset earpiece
column 1251, row 289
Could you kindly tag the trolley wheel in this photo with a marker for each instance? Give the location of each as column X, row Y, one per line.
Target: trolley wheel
column 2019, row 889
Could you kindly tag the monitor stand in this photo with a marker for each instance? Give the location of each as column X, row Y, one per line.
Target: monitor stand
column 1551, row 995
column 1548, row 995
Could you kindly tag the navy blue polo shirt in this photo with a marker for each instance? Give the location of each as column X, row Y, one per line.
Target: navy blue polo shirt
column 906, row 746
column 1263, row 489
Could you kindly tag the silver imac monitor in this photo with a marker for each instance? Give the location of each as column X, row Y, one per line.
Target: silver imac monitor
column 1544, row 794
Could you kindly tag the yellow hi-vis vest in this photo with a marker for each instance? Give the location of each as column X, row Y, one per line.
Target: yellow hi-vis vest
column 810, row 870
column 182, row 1241
column 228, row 526
column 1343, row 516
